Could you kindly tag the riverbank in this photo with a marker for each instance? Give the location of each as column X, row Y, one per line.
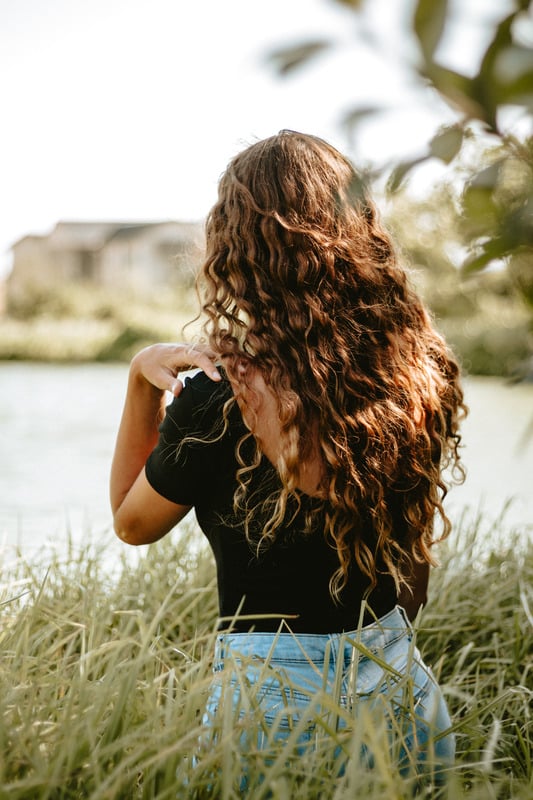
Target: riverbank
column 82, row 326
column 77, row 325
column 85, row 339
column 102, row 682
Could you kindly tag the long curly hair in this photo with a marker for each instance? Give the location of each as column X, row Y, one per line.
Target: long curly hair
column 301, row 281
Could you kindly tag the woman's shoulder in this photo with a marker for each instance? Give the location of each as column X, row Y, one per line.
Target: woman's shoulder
column 200, row 407
column 203, row 393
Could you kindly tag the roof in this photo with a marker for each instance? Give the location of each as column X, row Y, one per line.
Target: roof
column 93, row 234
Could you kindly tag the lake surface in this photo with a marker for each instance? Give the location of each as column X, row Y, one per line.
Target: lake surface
column 57, row 432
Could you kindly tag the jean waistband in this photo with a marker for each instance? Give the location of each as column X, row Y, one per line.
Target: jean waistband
column 313, row 646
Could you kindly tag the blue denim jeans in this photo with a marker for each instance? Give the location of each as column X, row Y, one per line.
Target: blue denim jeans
column 295, row 688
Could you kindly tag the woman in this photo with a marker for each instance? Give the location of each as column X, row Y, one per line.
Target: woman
column 313, row 454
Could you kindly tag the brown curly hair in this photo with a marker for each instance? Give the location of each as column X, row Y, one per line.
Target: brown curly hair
column 301, row 281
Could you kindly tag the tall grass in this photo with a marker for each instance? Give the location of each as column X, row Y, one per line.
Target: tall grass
column 103, row 680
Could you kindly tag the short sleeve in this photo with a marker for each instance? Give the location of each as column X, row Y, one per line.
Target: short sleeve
column 178, row 465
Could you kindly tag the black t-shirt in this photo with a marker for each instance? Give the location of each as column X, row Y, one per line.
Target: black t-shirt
column 288, row 578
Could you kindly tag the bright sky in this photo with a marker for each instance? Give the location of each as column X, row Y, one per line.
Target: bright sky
column 131, row 109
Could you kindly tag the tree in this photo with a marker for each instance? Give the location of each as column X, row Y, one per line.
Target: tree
column 496, row 198
column 480, row 314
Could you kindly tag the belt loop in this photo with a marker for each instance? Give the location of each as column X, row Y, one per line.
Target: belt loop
column 405, row 618
column 222, row 646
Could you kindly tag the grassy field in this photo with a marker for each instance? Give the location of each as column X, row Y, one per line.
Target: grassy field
column 103, row 680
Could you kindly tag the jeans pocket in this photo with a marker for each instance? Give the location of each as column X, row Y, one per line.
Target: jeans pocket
column 378, row 673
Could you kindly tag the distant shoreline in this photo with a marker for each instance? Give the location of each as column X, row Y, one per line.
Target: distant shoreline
column 82, row 340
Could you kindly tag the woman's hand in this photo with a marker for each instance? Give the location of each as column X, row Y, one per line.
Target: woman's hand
column 160, row 364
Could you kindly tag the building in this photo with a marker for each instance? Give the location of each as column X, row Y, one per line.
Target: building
column 132, row 257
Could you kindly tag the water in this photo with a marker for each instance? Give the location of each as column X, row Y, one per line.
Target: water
column 57, row 433
column 57, row 429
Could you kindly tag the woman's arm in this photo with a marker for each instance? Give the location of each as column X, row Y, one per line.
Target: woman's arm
column 140, row 514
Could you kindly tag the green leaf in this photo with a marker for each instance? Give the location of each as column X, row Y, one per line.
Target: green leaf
column 351, row 3
column 446, row 144
column 428, row 24
column 357, row 115
column 458, row 89
column 500, row 42
column 289, row 58
column 512, row 63
column 485, row 83
column 518, row 224
column 513, row 76
column 521, row 271
column 480, row 214
column 399, row 173
column 488, row 252
column 520, row 93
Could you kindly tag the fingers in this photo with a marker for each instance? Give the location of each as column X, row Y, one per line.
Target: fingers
column 202, row 358
column 176, row 388
column 209, row 368
column 160, row 364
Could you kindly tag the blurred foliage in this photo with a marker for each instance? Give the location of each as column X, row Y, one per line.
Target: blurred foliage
column 495, row 204
column 79, row 300
column 76, row 323
column 480, row 313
